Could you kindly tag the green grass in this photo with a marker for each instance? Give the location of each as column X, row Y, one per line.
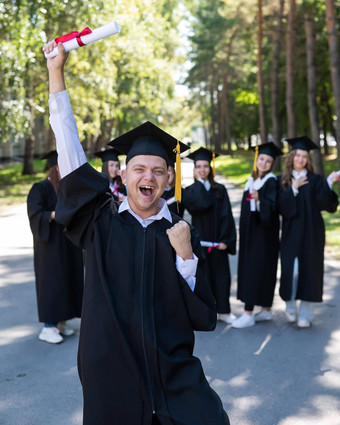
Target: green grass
column 14, row 187
column 238, row 169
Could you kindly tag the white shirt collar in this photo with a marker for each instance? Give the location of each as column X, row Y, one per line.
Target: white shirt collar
column 258, row 183
column 163, row 212
column 205, row 183
column 297, row 174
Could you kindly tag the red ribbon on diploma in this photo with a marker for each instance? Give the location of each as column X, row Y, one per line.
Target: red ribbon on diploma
column 250, row 197
column 213, row 246
column 72, row 35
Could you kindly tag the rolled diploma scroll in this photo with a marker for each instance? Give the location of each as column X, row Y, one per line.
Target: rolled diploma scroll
column 252, row 201
column 95, row 35
column 210, row 244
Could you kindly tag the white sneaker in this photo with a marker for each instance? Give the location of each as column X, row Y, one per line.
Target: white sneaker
column 291, row 317
column 303, row 323
column 50, row 335
column 64, row 329
column 244, row 321
column 226, row 318
column 263, row 315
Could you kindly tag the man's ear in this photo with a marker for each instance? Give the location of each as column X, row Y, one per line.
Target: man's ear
column 123, row 176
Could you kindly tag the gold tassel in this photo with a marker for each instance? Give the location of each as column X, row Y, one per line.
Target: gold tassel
column 178, row 188
column 213, row 167
column 255, row 158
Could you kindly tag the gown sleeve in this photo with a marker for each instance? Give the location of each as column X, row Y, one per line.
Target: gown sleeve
column 227, row 226
column 326, row 198
column 38, row 213
column 268, row 202
column 81, row 196
column 200, row 303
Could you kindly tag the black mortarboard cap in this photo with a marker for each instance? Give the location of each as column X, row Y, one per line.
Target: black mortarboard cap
column 302, row 142
column 269, row 149
column 148, row 139
column 52, row 158
column 108, row 155
column 202, row 154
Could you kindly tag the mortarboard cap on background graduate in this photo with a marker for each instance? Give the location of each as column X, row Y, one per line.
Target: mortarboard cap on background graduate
column 148, row 139
column 110, row 154
column 268, row 148
column 203, row 154
column 302, row 142
column 52, row 158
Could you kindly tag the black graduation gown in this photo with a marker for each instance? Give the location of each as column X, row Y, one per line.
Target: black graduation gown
column 168, row 194
column 212, row 217
column 259, row 247
column 136, row 337
column 303, row 237
column 58, row 264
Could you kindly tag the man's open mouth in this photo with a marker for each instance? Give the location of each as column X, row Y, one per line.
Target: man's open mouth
column 146, row 190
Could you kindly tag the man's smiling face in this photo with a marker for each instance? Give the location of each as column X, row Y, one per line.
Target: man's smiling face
column 145, row 178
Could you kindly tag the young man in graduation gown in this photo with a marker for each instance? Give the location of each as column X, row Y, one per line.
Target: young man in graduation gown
column 136, row 341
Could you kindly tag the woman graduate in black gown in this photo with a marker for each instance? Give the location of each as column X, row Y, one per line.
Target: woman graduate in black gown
column 111, row 168
column 259, row 239
column 303, row 195
column 208, row 203
column 169, row 192
column 58, row 264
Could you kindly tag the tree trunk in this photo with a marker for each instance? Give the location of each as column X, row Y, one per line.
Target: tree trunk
column 325, row 142
column 329, row 114
column 28, row 167
column 220, row 127
column 290, row 40
column 213, row 114
column 312, row 93
column 226, row 115
column 334, row 62
column 262, row 112
column 275, row 85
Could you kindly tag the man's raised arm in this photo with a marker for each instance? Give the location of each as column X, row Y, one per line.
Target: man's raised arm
column 70, row 152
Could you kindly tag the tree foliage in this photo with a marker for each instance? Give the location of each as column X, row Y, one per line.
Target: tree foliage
column 114, row 84
column 221, row 24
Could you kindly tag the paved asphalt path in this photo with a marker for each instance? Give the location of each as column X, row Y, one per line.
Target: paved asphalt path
column 270, row 374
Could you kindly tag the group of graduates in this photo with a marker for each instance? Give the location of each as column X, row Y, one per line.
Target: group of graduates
column 151, row 279
column 298, row 196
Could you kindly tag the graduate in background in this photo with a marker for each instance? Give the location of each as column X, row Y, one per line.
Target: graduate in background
column 145, row 290
column 303, row 195
column 208, row 203
column 169, row 192
column 58, row 264
column 259, row 239
column 111, row 168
